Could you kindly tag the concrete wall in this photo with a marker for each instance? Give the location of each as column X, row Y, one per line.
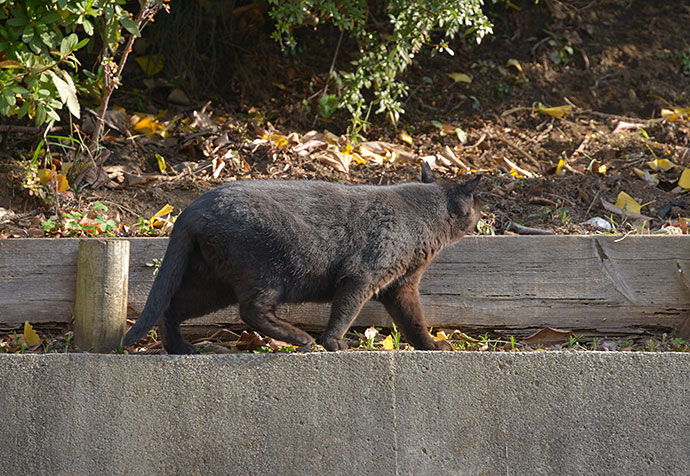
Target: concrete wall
column 349, row 413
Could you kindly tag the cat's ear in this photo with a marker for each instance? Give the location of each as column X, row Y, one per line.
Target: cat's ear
column 472, row 184
column 427, row 174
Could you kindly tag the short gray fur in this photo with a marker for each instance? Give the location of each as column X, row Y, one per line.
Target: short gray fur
column 346, row 413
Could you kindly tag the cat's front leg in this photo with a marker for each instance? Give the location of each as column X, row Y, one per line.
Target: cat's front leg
column 402, row 303
column 347, row 302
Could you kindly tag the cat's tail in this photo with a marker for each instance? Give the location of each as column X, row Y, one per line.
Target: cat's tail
column 166, row 283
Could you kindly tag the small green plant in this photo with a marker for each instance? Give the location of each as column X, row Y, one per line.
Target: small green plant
column 678, row 343
column 68, row 340
column 484, row 228
column 594, row 345
column 573, row 341
column 79, row 224
column 155, row 263
column 562, row 49
column 396, row 336
column 684, row 59
column 627, row 344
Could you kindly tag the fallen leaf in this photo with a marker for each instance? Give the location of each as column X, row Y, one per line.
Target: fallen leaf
column 335, row 159
column 388, row 343
column 646, row 176
column 623, row 126
column 627, row 203
column 371, row 156
column 30, row 334
column 460, row 77
column 406, row 138
column 560, row 168
column 147, row 125
column 151, row 65
column 162, row 166
column 161, row 213
column 250, row 341
column 440, row 336
column 46, row 176
column 515, row 64
column 549, row 336
column 675, row 114
column 613, row 208
column 557, row 112
column 661, row 164
column 684, row 180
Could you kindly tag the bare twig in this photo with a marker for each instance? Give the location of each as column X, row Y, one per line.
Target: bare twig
column 330, row 71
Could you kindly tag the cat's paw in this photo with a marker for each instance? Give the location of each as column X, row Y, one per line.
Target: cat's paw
column 442, row 345
column 185, row 348
column 333, row 343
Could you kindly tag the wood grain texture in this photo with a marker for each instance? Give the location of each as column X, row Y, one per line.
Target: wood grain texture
column 100, row 308
column 598, row 284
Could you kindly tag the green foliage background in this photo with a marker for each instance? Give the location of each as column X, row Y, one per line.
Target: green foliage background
column 40, row 72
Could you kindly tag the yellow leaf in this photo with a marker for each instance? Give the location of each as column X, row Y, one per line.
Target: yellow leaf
column 147, row 125
column 277, row 139
column 627, row 203
column 460, row 77
column 556, row 112
column 661, row 164
column 684, row 180
column 30, row 334
column 155, row 219
column 63, row 184
column 675, row 114
column 46, row 175
column 512, row 5
column 388, row 343
column 560, row 167
column 151, row 65
column 669, row 115
column 406, row 138
column 162, row 166
column 515, row 64
column 371, row 156
column 440, row 335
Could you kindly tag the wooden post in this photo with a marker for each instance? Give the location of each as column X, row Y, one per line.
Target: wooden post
column 101, row 301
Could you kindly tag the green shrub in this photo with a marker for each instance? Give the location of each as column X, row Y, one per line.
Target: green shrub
column 39, row 72
column 384, row 52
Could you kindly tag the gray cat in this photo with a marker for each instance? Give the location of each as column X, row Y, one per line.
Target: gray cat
column 262, row 243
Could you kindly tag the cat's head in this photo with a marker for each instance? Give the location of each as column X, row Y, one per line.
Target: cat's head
column 463, row 207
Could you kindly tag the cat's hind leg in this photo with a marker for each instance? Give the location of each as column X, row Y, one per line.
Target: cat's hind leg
column 199, row 294
column 259, row 312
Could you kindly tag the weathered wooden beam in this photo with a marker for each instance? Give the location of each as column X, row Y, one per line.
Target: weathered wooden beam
column 100, row 309
column 602, row 284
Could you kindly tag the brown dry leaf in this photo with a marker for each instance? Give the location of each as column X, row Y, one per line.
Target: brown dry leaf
column 335, row 159
column 613, row 208
column 549, row 336
column 250, row 341
column 624, row 126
